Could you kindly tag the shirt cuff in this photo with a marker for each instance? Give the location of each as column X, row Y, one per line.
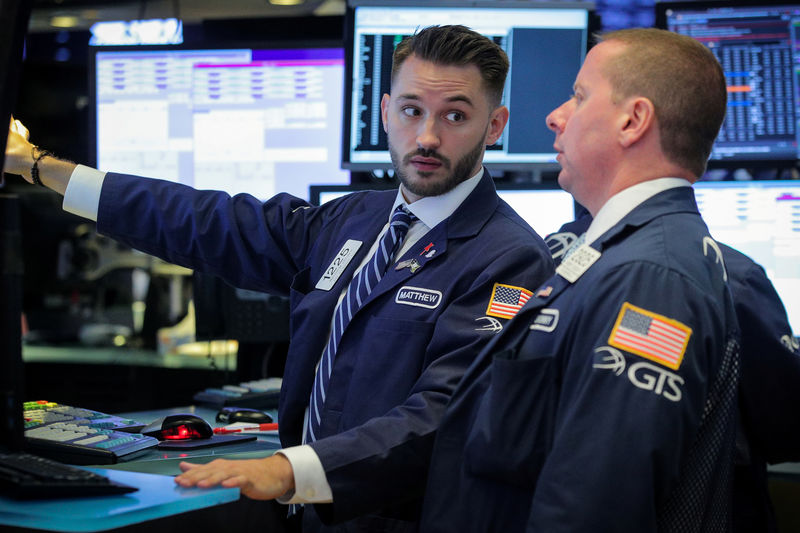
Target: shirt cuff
column 82, row 196
column 310, row 483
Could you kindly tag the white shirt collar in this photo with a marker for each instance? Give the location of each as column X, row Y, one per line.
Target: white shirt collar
column 431, row 210
column 625, row 201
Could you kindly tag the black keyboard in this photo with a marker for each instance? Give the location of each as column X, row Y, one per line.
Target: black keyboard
column 27, row 476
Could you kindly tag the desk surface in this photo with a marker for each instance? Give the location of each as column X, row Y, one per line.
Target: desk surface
column 158, row 461
column 153, row 472
column 158, row 497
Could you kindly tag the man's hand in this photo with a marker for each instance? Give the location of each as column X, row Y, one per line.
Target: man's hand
column 259, row 479
column 18, row 151
column 53, row 172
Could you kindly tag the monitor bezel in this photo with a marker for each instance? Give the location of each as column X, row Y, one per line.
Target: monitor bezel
column 593, row 25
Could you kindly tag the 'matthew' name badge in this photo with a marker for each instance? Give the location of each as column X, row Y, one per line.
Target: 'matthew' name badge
column 418, row 297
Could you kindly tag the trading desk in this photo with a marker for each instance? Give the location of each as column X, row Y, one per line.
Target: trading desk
column 159, row 504
column 166, row 462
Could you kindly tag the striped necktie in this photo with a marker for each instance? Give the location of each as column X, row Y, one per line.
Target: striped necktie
column 357, row 292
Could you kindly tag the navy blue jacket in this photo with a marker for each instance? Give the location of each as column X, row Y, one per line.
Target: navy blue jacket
column 397, row 363
column 560, row 425
column 768, row 386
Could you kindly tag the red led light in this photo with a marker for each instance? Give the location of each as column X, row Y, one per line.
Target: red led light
column 181, row 433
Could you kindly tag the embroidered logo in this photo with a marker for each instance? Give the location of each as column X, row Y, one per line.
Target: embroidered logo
column 492, row 324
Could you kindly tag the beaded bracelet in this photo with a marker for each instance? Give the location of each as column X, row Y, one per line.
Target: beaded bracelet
column 35, row 168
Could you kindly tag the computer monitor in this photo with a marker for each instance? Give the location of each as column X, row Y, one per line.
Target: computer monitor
column 544, row 207
column 545, row 42
column 762, row 220
column 756, row 43
column 261, row 120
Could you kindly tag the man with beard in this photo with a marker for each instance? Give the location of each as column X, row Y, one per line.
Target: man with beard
column 376, row 351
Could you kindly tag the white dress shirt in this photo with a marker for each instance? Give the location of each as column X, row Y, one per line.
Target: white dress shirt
column 625, row 201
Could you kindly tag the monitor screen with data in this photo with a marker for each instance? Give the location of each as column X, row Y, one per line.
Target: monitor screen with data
column 762, row 220
column 259, row 120
column 545, row 43
column 758, row 45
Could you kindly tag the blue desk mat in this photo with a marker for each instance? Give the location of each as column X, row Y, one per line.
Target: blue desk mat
column 158, row 496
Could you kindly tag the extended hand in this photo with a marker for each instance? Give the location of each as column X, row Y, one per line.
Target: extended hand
column 18, row 150
column 259, row 479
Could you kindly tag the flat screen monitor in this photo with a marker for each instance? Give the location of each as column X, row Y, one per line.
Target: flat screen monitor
column 260, row 120
column 758, row 44
column 545, row 42
column 762, row 220
column 544, row 208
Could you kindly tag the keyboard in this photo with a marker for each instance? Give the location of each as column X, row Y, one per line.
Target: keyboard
column 258, row 394
column 27, row 476
column 81, row 436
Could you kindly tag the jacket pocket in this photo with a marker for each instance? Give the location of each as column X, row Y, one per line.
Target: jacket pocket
column 513, row 428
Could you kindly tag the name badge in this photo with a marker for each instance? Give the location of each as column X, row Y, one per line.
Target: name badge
column 418, row 297
column 337, row 266
column 546, row 320
column 577, row 263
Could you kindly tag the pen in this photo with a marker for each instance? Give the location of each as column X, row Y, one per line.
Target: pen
column 259, row 427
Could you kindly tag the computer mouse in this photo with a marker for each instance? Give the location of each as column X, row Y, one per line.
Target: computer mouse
column 181, row 426
column 229, row 415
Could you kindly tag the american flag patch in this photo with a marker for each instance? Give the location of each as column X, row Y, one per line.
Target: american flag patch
column 507, row 300
column 650, row 335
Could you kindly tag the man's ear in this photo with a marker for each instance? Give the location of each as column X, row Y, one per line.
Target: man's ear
column 385, row 112
column 497, row 123
column 639, row 118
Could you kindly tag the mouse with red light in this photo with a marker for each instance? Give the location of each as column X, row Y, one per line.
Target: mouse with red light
column 182, row 426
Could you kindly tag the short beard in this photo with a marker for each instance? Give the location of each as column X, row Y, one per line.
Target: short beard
column 423, row 188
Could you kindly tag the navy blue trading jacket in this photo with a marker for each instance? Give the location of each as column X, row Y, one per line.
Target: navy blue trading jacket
column 769, row 385
column 569, row 422
column 401, row 356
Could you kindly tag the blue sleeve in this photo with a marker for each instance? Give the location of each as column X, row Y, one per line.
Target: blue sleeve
column 770, row 382
column 250, row 244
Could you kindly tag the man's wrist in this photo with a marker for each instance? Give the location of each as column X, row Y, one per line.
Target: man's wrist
column 283, row 470
column 37, row 154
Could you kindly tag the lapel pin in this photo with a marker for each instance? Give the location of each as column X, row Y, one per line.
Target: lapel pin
column 544, row 293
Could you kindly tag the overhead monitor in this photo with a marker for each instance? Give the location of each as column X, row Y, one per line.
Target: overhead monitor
column 757, row 44
column 259, row 120
column 762, row 220
column 545, row 42
column 544, row 208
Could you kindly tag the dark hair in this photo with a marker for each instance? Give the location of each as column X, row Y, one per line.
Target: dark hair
column 459, row 46
column 683, row 80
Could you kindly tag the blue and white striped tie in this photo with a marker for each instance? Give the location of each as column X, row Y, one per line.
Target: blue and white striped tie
column 357, row 292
